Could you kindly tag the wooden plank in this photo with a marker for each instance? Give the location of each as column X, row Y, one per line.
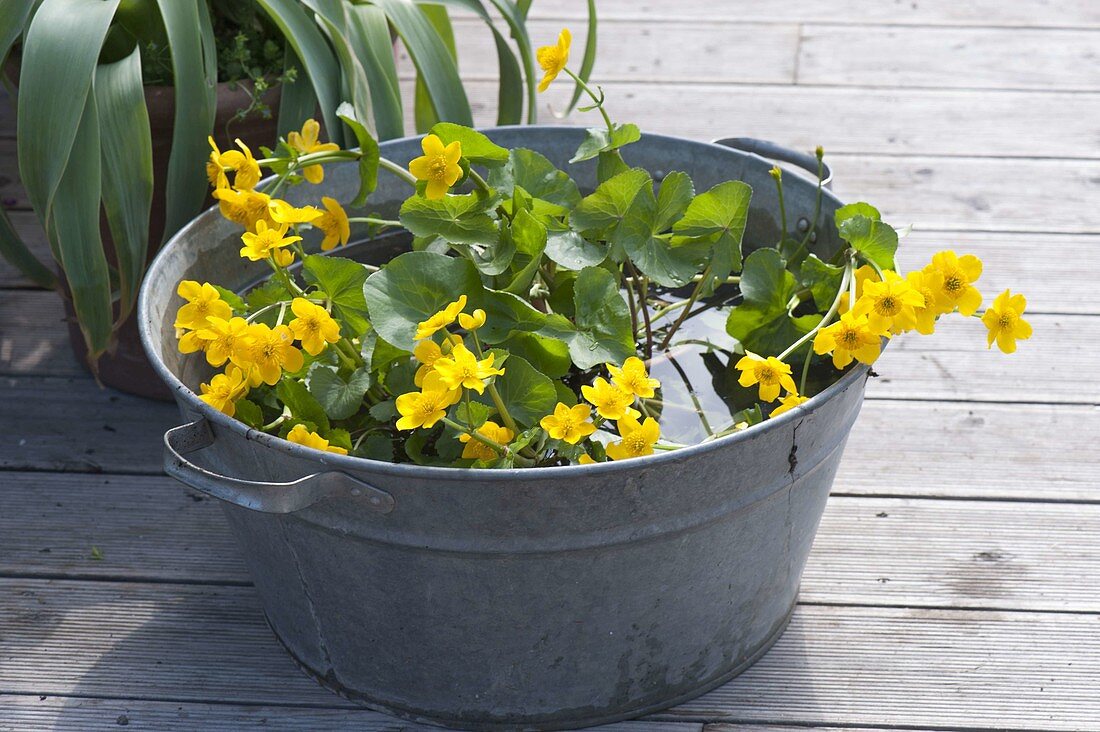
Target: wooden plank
column 637, row 51
column 842, row 119
column 1032, row 13
column 149, row 528
column 869, row 551
column 75, row 714
column 34, row 336
column 1054, row 366
column 972, row 58
column 834, row 665
column 72, row 424
column 1013, row 451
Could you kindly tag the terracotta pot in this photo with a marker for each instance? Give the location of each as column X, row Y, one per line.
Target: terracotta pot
column 125, row 367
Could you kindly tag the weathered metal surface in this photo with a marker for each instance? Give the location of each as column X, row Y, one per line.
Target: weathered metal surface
column 527, row 599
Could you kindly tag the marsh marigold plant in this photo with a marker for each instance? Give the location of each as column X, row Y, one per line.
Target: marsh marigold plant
column 532, row 324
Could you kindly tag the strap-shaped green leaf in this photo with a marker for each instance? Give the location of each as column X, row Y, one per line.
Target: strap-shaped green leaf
column 353, row 79
column 196, row 104
column 315, row 54
column 13, row 19
column 297, row 102
column 589, row 59
column 423, row 109
column 127, row 154
column 59, row 58
column 510, row 88
column 516, row 18
column 369, row 35
column 15, row 251
column 433, row 62
column 74, row 227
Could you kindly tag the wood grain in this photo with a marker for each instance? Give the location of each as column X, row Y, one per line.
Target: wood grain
column 196, row 644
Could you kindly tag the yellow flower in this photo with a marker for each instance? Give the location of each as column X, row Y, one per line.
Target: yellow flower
column 462, row 369
column 426, row 407
column 472, row 322
column 481, row 451
column 265, row 241
column 268, row 352
column 848, row 338
column 190, row 342
column 585, row 459
column 427, row 352
column 635, row 440
column 299, row 435
column 957, row 289
column 1004, row 321
column 442, row 319
column 633, row 377
column 610, row 400
column 438, row 165
column 245, row 208
column 313, row 326
column 223, row 338
column 202, row 300
column 864, row 274
column 788, row 403
column 771, row 373
column 245, row 167
column 224, row 390
column 305, row 142
column 553, row 59
column 927, row 284
column 334, row 223
column 569, row 423
column 282, row 257
column 283, row 213
column 889, row 304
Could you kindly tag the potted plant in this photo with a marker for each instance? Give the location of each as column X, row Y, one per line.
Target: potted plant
column 117, row 99
column 548, row 448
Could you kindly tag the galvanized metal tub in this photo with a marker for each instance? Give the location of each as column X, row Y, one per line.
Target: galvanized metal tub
column 514, row 599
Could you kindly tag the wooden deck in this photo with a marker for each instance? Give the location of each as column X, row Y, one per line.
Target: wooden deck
column 955, row 582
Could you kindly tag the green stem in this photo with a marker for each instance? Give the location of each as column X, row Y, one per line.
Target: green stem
column 687, row 308
column 597, row 100
column 498, row 402
column 479, row 181
column 805, row 371
column 828, row 315
column 397, row 170
column 778, row 175
column 371, row 220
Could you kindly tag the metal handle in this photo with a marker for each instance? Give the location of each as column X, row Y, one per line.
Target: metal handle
column 770, row 150
column 258, row 495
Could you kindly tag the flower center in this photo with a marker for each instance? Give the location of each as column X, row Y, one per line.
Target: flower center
column 953, row 283
column 438, row 167
column 311, row 325
column 850, row 338
column 634, row 443
column 888, row 305
column 1007, row 320
column 767, row 375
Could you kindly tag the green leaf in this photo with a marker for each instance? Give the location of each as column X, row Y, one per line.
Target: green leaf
column 548, row 355
column 528, row 395
column 822, row 279
column 127, row 168
column 602, row 318
column 74, row 230
column 529, row 236
column 297, row 102
column 610, row 164
column 434, row 64
column 516, row 19
column 476, row 147
column 856, row 209
column 378, row 353
column 721, row 214
column 493, row 258
column 424, row 113
column 505, row 314
column 353, row 79
column 196, row 105
column 15, row 251
column 13, row 21
column 369, row 34
column 338, row 397
column 654, row 255
column 303, row 405
column 875, row 240
column 342, row 282
column 368, row 161
column 761, row 322
column 249, row 413
column 59, row 54
column 599, row 140
column 311, row 48
column 569, row 249
column 376, row 447
column 673, row 197
column 458, row 219
column 538, row 177
column 269, row 293
column 605, row 207
column 236, row 304
column 588, row 61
